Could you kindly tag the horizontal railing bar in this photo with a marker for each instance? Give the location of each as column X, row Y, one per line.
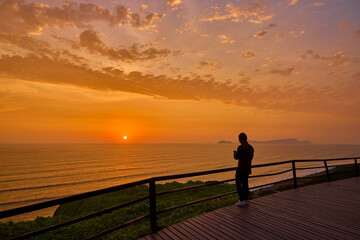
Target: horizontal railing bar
column 311, row 177
column 270, row 164
column 308, row 168
column 117, row 227
column 169, row 177
column 342, row 165
column 193, row 187
column 273, row 183
column 270, row 174
column 329, row 159
column 37, row 206
column 338, row 165
column 194, row 202
column 60, row 225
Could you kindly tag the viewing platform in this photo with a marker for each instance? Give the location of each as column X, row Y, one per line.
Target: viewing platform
column 328, row 210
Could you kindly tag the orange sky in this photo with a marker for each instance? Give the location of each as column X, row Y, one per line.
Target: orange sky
column 179, row 70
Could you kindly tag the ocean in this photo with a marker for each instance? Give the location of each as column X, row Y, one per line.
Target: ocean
column 32, row 173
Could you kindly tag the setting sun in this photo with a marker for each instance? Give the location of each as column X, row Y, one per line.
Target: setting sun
column 125, row 137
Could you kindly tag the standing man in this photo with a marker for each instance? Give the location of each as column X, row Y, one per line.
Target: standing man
column 244, row 155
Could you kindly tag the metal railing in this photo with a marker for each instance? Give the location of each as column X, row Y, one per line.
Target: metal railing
column 152, row 215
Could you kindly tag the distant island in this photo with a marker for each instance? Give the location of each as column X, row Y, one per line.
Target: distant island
column 278, row 141
column 282, row 141
column 225, row 141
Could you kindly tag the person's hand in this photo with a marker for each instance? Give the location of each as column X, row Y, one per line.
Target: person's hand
column 234, row 154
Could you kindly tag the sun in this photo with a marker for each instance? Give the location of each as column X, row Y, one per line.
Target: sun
column 125, row 137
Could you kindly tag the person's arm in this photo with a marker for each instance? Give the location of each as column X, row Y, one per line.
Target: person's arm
column 236, row 155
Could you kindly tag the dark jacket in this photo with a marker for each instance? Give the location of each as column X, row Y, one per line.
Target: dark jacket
column 244, row 155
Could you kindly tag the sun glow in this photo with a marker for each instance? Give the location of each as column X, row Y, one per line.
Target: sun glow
column 125, row 137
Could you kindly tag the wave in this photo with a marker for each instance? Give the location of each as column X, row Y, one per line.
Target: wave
column 63, row 175
column 77, row 183
column 27, row 202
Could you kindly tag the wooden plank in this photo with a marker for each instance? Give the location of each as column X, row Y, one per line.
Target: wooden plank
column 247, row 230
column 177, row 233
column 170, row 234
column 227, row 232
column 214, row 232
column 194, row 232
column 186, row 231
column 148, row 237
column 200, row 230
column 157, row 236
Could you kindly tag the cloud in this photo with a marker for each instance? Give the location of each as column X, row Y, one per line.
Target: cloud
column 38, row 47
column 31, row 18
column 260, row 34
column 255, row 12
column 296, row 34
column 347, row 27
column 341, row 59
column 356, row 34
column 213, row 65
column 56, row 70
column 319, row 4
column 90, row 40
column 338, row 59
column 283, row 72
column 173, row 2
column 74, row 44
column 25, row 42
column 271, row 25
column 292, row 2
column 271, row 59
column 149, row 21
column 263, row 32
column 225, row 39
column 249, row 55
column 312, row 54
column 241, row 72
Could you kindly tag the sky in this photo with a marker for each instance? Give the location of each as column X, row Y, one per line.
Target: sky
column 179, row 71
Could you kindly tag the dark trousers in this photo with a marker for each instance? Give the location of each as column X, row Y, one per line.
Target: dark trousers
column 242, row 185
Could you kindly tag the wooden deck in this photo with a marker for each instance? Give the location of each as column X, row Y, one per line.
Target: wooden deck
column 321, row 211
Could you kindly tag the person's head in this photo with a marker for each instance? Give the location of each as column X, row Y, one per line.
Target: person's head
column 242, row 138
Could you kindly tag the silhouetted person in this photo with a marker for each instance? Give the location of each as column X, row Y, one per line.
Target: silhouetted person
column 244, row 155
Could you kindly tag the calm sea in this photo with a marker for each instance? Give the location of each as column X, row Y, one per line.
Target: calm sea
column 31, row 173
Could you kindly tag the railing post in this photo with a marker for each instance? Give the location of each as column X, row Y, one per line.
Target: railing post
column 327, row 171
column 356, row 167
column 152, row 198
column 294, row 174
